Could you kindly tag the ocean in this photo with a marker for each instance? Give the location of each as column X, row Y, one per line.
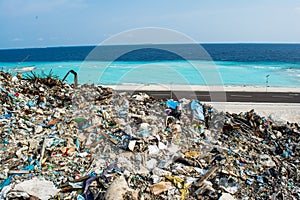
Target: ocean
column 274, row 65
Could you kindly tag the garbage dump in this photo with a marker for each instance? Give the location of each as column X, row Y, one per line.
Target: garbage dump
column 58, row 141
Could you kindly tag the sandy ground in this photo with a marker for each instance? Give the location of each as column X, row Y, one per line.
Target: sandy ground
column 203, row 88
column 277, row 111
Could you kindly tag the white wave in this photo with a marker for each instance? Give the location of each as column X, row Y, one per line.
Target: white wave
column 123, row 66
column 134, row 84
column 265, row 67
column 25, row 69
column 230, row 67
column 259, row 67
column 293, row 70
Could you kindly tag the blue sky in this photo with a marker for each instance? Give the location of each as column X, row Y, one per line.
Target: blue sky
column 42, row 23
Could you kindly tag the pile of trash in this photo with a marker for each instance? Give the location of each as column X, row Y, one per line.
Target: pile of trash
column 58, row 141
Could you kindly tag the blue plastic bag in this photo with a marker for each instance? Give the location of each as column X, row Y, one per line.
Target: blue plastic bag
column 197, row 109
column 172, row 104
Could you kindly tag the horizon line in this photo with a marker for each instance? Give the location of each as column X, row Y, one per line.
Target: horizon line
column 94, row 45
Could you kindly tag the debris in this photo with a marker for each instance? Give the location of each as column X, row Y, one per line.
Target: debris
column 226, row 196
column 153, row 149
column 161, row 187
column 5, row 190
column 151, row 164
column 267, row 161
column 197, row 109
column 117, row 189
column 131, row 145
column 37, row 187
column 206, row 176
column 90, row 142
column 172, row 104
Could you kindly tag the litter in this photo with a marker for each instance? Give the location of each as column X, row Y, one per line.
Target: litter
column 90, row 142
column 197, row 109
column 40, row 188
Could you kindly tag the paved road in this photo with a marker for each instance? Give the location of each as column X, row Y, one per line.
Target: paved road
column 271, row 97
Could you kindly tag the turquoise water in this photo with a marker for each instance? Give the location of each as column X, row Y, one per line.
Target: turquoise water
column 281, row 74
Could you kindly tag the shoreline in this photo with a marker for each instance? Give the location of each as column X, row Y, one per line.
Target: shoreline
column 176, row 87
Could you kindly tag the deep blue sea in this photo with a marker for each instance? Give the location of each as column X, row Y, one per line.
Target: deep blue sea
column 206, row 64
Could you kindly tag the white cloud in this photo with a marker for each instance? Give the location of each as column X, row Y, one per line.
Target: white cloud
column 17, row 7
column 17, row 39
column 40, row 39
